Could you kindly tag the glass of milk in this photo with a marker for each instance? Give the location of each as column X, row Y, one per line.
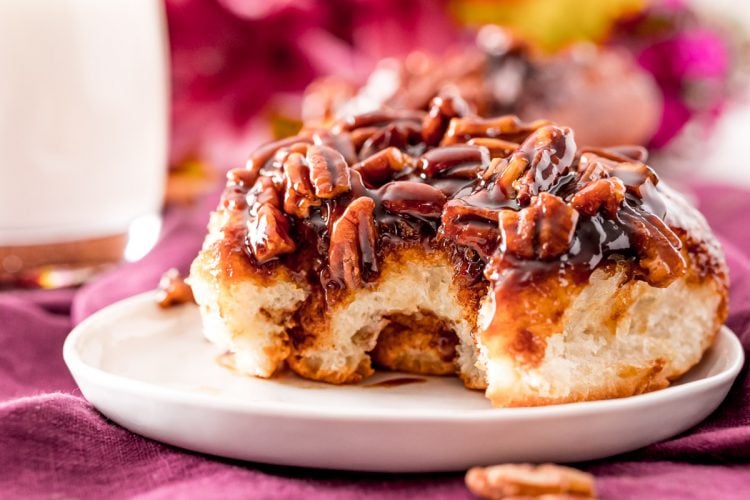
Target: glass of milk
column 83, row 136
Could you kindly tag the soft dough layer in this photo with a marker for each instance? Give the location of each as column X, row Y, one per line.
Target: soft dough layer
column 618, row 336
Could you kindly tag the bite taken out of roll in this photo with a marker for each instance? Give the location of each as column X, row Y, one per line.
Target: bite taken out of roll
column 442, row 243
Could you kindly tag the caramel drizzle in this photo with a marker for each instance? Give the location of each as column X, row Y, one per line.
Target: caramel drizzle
column 501, row 194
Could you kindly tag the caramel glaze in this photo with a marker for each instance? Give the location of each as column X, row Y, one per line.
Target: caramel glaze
column 512, row 203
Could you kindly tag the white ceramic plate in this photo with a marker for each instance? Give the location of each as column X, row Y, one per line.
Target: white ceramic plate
column 152, row 372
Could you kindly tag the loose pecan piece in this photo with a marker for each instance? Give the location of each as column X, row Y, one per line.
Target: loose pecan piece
column 328, row 172
column 603, row 194
column 298, row 194
column 380, row 167
column 442, row 109
column 173, row 290
column 530, row 481
column 352, row 248
column 268, row 233
column 543, row 230
column 412, row 198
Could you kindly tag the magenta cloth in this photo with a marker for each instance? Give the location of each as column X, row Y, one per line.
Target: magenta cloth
column 53, row 444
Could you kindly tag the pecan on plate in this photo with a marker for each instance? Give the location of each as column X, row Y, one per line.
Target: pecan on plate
column 543, row 230
column 265, row 153
column 550, row 481
column 352, row 247
column 173, row 290
column 329, row 172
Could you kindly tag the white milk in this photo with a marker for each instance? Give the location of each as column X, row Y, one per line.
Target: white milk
column 83, row 117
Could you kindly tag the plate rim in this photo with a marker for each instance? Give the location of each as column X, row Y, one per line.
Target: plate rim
column 103, row 378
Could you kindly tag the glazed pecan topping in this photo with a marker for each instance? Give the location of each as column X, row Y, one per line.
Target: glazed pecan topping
column 298, row 195
column 657, row 246
column 268, row 233
column 442, row 109
column 352, row 247
column 380, row 167
column 261, row 157
column 471, row 226
column 497, row 192
column 604, row 194
column 507, row 127
column 413, row 198
column 329, row 172
column 498, row 148
column 550, row 152
column 543, row 230
column 456, row 161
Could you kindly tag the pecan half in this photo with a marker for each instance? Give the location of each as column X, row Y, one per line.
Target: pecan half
column 551, row 152
column 543, row 230
column 398, row 134
column 261, row 157
column 498, row 148
column 380, row 167
column 603, row 194
column 412, row 198
column 634, row 175
column 376, row 118
column 657, row 245
column 474, row 227
column 241, row 177
column 507, row 127
column 268, row 233
column 328, row 172
column 442, row 109
column 508, row 481
column 298, row 194
column 352, row 248
column 456, row 161
column 342, row 143
column 264, row 192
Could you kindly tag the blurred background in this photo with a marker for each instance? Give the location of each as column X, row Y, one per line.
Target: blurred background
column 240, row 69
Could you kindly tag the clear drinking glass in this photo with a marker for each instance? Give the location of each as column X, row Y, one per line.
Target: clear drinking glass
column 83, row 136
